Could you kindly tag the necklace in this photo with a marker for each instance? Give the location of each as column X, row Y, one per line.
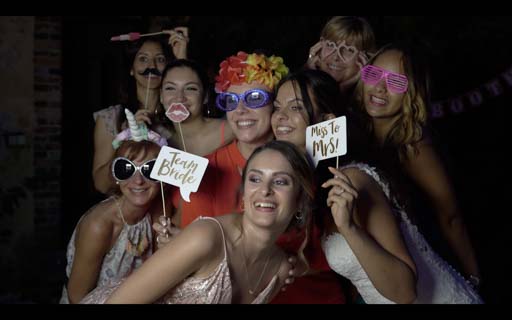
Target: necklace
column 137, row 240
column 251, row 291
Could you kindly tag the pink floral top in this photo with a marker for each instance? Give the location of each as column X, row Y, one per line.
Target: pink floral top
column 110, row 116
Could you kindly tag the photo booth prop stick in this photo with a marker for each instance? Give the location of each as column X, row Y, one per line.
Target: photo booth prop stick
column 146, row 108
column 181, row 169
column 177, row 112
column 132, row 36
column 147, row 92
column 138, row 135
column 327, row 139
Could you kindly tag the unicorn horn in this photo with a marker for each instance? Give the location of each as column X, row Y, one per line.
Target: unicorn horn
column 137, row 135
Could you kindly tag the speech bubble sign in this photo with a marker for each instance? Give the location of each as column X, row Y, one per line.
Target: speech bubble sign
column 327, row 139
column 181, row 169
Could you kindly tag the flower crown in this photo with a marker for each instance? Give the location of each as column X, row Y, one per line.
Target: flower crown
column 248, row 68
column 137, row 132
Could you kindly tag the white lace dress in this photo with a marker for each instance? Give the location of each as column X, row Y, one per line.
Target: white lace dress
column 438, row 282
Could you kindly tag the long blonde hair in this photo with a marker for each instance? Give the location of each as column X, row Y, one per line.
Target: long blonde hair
column 407, row 131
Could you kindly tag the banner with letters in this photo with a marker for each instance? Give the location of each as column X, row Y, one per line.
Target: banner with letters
column 473, row 98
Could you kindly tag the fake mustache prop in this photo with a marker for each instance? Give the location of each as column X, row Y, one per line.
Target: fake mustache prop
column 153, row 71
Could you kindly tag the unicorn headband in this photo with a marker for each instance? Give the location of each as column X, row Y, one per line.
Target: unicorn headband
column 247, row 68
column 137, row 132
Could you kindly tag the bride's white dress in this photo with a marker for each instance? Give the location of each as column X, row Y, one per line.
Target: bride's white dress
column 438, row 282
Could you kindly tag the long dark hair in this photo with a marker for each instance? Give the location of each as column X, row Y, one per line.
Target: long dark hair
column 327, row 97
column 195, row 67
column 321, row 88
column 128, row 86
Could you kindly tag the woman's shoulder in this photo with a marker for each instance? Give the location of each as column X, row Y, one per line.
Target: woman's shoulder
column 99, row 221
column 107, row 112
column 423, row 150
column 228, row 222
column 366, row 178
column 209, row 229
column 109, row 117
column 360, row 174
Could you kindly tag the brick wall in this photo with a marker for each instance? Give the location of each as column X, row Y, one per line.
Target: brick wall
column 30, row 158
column 48, row 114
column 47, row 153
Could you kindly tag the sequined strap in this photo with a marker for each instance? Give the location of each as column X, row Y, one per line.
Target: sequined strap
column 221, row 231
column 265, row 294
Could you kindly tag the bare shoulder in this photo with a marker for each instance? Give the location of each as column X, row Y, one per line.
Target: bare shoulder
column 100, row 128
column 360, row 179
column 203, row 234
column 98, row 221
column 423, row 148
column 96, row 231
column 372, row 200
column 422, row 159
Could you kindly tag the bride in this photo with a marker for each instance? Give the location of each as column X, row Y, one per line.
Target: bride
column 368, row 238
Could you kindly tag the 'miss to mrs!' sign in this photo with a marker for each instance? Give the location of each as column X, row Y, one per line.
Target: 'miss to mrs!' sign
column 181, row 169
column 327, row 139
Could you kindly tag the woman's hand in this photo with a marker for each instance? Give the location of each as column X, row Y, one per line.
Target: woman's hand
column 178, row 41
column 143, row 115
column 341, row 199
column 165, row 231
column 297, row 269
column 360, row 63
column 314, row 56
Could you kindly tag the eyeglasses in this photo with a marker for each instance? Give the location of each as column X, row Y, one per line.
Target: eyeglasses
column 123, row 169
column 254, row 98
column 395, row 82
column 345, row 53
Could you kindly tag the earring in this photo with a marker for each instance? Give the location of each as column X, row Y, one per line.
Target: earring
column 299, row 216
column 117, row 182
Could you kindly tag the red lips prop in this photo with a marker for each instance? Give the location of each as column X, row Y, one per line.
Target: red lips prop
column 177, row 112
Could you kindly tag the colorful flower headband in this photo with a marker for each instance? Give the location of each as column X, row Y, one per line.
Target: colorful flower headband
column 137, row 132
column 248, row 68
